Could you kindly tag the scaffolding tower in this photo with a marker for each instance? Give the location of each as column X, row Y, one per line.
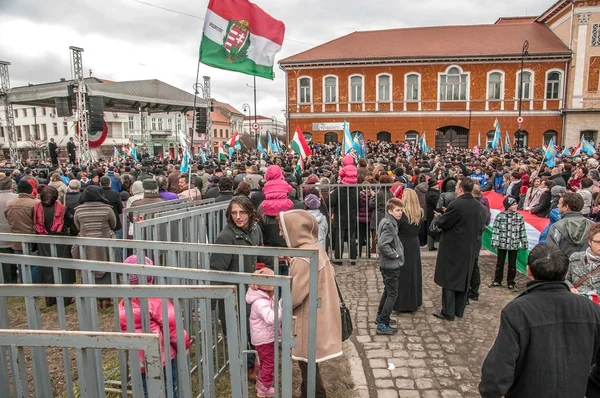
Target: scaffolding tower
column 8, row 110
column 82, row 114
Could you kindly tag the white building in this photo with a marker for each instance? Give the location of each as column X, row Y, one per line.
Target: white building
column 266, row 125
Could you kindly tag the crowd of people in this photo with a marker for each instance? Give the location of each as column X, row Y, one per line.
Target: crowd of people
column 386, row 206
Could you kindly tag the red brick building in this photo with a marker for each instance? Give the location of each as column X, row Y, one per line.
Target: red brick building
column 450, row 82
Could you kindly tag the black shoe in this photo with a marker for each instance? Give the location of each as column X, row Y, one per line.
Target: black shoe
column 443, row 317
column 495, row 284
column 512, row 286
column 473, row 297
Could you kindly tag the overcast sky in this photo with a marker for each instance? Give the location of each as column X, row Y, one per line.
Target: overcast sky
column 127, row 40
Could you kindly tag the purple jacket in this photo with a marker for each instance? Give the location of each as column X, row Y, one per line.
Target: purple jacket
column 486, row 203
column 362, row 207
column 166, row 195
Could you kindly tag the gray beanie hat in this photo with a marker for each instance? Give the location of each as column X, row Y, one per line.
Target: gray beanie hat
column 312, row 202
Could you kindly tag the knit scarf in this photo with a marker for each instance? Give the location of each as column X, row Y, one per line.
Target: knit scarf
column 592, row 258
column 57, row 221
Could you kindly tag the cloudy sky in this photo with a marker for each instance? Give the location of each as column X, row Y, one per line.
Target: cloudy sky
column 130, row 40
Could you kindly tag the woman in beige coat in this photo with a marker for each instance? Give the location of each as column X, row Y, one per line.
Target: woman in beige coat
column 301, row 231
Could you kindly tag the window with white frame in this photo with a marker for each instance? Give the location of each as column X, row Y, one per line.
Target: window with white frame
column 330, row 89
column 596, row 34
column 160, row 123
column 412, row 87
column 170, row 124
column 383, row 85
column 489, row 138
column 495, row 86
column 356, row 87
column 178, row 124
column 65, row 127
column 411, row 136
column 553, row 85
column 153, row 124
column 526, row 85
column 131, row 123
column 305, row 90
column 18, row 132
column 453, row 85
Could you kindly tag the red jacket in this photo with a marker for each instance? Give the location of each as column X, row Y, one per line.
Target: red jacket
column 156, row 325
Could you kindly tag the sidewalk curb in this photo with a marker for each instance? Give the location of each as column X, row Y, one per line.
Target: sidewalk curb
column 358, row 364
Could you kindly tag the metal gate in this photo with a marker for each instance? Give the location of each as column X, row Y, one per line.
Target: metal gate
column 456, row 136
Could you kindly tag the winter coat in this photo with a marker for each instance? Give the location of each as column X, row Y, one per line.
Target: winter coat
column 362, row 207
column 166, row 195
column 389, row 246
column 19, row 214
column 270, row 235
column 276, row 192
column 421, row 191
column 431, row 199
column 95, row 220
column 253, row 180
column 377, row 206
column 581, row 264
column 61, row 188
column 300, row 231
column 323, row 224
column 570, row 233
column 192, row 193
column 558, row 180
column 532, row 197
column 543, row 207
column 114, row 199
column 588, row 201
column 478, row 179
column 156, row 325
column 173, row 181
column 486, row 204
column 205, row 180
column 499, row 183
column 547, row 339
column 554, row 216
column 489, row 185
column 445, row 199
column 257, row 197
column 148, row 199
column 349, row 173
column 461, row 225
column 262, row 317
column 224, row 196
column 211, row 192
column 509, row 232
column 232, row 235
column 343, row 202
column 5, row 196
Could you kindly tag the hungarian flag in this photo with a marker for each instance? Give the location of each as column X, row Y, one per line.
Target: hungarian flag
column 234, row 142
column 299, row 145
column 241, row 37
column 222, row 154
column 533, row 224
column 300, row 165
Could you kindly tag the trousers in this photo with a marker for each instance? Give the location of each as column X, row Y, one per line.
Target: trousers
column 453, row 303
column 266, row 357
column 512, row 266
column 390, row 293
column 319, row 387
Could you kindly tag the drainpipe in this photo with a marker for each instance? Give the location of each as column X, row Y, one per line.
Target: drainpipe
column 566, row 83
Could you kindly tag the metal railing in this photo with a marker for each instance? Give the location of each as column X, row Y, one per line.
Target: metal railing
column 351, row 237
column 85, row 296
column 189, row 258
column 83, row 342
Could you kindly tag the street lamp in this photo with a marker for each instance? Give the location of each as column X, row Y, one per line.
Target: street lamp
column 524, row 53
column 246, row 108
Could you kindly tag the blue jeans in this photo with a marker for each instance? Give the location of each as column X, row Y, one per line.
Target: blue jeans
column 174, row 373
column 35, row 270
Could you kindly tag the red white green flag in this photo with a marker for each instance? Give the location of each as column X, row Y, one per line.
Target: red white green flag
column 234, row 142
column 241, row 37
column 299, row 145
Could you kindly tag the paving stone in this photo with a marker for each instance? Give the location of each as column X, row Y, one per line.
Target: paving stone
column 432, row 358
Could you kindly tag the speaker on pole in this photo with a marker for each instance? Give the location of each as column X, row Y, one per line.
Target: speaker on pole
column 96, row 111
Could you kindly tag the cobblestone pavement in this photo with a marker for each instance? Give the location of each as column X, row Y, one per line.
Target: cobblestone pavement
column 431, row 358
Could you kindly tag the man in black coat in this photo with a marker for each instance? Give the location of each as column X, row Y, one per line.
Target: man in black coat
column 114, row 199
column 343, row 202
column 548, row 336
column 71, row 150
column 461, row 225
column 53, row 152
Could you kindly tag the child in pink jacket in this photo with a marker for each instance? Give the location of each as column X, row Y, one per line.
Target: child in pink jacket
column 262, row 332
column 156, row 325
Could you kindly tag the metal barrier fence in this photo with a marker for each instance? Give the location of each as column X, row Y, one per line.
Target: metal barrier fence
column 195, row 225
column 157, row 209
column 93, row 382
column 83, row 343
column 350, row 236
column 187, row 257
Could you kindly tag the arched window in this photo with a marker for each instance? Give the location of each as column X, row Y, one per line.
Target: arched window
column 527, row 85
column 384, row 136
column 590, row 136
column 331, row 137
column 553, row 84
column 356, row 89
column 495, row 84
column 308, row 137
column 330, row 90
column 549, row 135
column 411, row 136
column 383, row 87
column 453, row 85
column 521, row 139
column 412, row 87
column 489, row 138
column 305, row 91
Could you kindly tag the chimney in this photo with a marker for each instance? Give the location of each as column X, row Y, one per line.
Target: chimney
column 62, row 79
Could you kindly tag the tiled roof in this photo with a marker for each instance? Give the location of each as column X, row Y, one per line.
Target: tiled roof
column 227, row 106
column 437, row 42
column 258, row 117
column 217, row 117
column 514, row 20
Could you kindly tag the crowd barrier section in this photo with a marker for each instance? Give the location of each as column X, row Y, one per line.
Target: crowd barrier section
column 192, row 267
column 94, row 383
column 350, row 237
column 83, row 343
column 195, row 225
column 156, row 209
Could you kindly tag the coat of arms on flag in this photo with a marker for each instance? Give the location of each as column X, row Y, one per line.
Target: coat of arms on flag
column 237, row 40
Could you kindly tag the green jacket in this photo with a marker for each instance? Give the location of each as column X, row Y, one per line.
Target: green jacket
column 232, row 235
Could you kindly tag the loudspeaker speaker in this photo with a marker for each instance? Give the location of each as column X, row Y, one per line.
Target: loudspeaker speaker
column 64, row 106
column 96, row 112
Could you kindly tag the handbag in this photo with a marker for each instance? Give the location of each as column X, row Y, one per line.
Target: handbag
column 434, row 231
column 345, row 316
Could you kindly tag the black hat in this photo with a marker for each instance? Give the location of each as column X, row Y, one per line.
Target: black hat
column 509, row 201
column 24, row 187
column 150, row 184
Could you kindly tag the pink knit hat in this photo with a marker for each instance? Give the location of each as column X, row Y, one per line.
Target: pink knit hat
column 134, row 278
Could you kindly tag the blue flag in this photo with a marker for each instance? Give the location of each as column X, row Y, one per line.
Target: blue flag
column 587, row 147
column 423, row 143
column 550, row 155
column 347, row 138
column 356, row 145
column 185, row 164
column 202, row 156
column 497, row 135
